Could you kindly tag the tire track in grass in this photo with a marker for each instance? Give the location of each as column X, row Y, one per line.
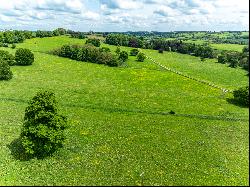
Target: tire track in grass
column 189, row 77
column 137, row 111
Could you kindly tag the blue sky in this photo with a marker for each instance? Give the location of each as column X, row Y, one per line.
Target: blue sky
column 125, row 15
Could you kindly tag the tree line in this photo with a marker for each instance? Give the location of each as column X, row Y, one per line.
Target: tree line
column 235, row 59
column 204, row 50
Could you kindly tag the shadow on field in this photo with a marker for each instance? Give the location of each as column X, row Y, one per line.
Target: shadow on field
column 17, row 150
column 234, row 102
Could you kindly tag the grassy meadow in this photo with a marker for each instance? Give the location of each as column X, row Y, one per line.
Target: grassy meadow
column 120, row 130
column 221, row 47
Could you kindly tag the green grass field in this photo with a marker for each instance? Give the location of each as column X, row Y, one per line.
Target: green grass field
column 222, row 47
column 120, row 130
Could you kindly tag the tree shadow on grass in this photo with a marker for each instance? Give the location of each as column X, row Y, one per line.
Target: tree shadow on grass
column 17, row 150
column 235, row 102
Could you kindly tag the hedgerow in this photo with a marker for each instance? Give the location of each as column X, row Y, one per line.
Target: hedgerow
column 87, row 53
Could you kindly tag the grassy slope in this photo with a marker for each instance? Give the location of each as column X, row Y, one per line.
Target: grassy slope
column 209, row 70
column 114, row 137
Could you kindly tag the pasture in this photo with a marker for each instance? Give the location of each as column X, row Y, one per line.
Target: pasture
column 121, row 132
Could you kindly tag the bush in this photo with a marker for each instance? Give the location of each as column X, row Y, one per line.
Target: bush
column 4, row 45
column 107, row 58
column 118, row 50
column 96, row 42
column 134, row 52
column 43, row 127
column 222, row 59
column 13, row 46
column 65, row 51
column 241, row 96
column 123, row 56
column 5, row 72
column 160, row 50
column 24, row 57
column 6, row 56
column 141, row 57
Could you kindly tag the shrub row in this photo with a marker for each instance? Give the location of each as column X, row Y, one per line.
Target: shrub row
column 179, row 46
column 87, row 53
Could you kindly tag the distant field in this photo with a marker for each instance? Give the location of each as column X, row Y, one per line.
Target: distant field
column 120, row 130
column 227, row 47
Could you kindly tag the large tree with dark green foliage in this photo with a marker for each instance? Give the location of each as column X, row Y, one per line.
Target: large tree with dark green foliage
column 5, row 72
column 24, row 57
column 43, row 128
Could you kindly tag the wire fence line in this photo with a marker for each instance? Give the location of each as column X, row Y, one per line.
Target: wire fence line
column 187, row 76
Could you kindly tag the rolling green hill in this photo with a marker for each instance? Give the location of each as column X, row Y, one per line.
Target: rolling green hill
column 121, row 132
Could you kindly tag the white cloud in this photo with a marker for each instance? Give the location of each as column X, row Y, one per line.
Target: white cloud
column 164, row 15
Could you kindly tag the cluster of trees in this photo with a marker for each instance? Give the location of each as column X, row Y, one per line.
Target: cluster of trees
column 56, row 32
column 235, row 59
column 22, row 57
column 88, row 53
column 124, row 40
column 11, row 37
column 204, row 50
column 179, row 46
column 76, row 34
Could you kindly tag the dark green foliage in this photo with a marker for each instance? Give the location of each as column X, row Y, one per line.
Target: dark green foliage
column 107, row 59
column 96, row 42
column 124, row 40
column 4, row 45
column 87, row 53
column 204, row 50
column 202, row 59
column 118, row 50
column 79, row 35
column 134, row 52
column 160, row 50
column 43, row 128
column 241, row 96
column 171, row 112
column 222, row 59
column 5, row 55
column 233, row 59
column 123, row 56
column 5, row 72
column 141, row 57
column 24, row 57
column 13, row 46
column 245, row 49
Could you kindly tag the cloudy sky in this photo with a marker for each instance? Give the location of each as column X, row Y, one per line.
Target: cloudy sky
column 125, row 15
